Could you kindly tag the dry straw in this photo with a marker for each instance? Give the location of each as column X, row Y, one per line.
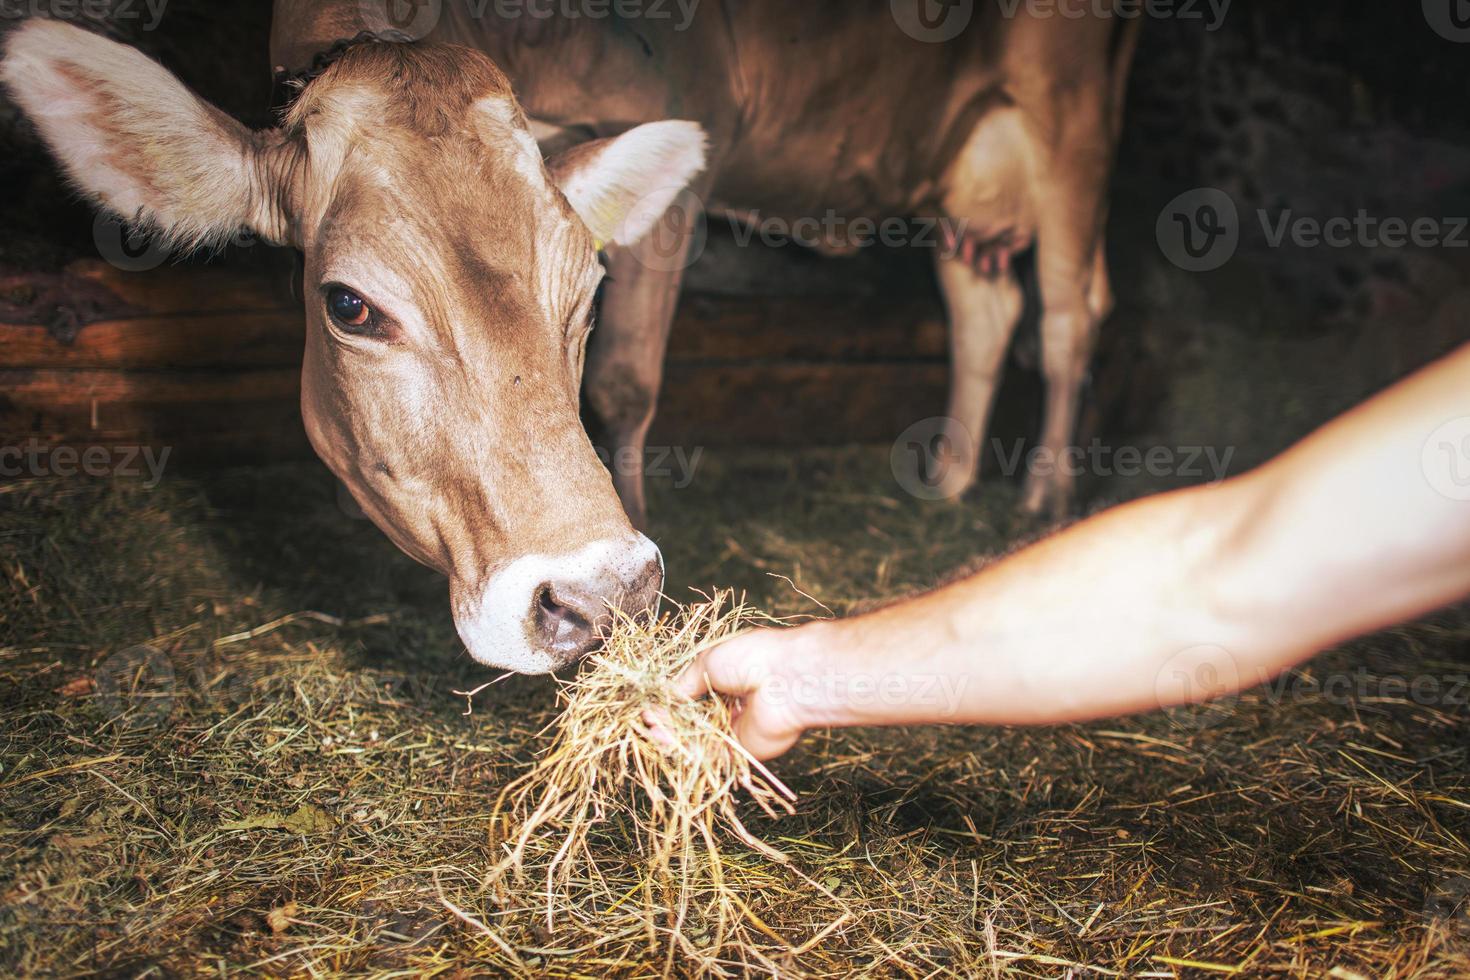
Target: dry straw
column 608, row 818
column 1308, row 836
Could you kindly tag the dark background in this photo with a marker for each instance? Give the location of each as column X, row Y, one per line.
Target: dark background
column 1322, row 109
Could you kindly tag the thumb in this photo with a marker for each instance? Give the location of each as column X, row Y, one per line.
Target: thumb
column 736, row 668
column 750, row 668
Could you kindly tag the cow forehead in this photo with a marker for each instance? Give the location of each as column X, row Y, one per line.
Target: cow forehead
column 424, row 87
column 438, row 118
column 400, row 184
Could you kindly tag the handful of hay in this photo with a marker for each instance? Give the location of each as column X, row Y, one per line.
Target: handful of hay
column 609, row 820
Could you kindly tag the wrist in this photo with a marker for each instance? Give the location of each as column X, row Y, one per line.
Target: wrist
column 817, row 670
column 884, row 668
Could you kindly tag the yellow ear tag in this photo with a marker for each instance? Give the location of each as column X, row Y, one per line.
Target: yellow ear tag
column 601, row 245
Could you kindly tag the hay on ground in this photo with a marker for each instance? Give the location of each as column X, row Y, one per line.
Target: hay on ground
column 276, row 793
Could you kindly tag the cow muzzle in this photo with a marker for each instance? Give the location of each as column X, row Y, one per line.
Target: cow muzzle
column 541, row 613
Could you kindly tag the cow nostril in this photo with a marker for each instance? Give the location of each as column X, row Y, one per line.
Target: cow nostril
column 562, row 627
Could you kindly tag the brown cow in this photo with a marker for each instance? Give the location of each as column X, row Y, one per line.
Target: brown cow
column 1004, row 124
column 452, row 271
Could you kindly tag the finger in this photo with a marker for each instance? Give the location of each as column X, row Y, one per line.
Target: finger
column 733, row 668
column 657, row 727
column 763, row 739
column 694, row 682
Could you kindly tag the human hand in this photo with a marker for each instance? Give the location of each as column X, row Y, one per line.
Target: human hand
column 756, row 672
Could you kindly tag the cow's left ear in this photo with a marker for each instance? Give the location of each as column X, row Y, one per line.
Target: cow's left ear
column 620, row 187
column 143, row 146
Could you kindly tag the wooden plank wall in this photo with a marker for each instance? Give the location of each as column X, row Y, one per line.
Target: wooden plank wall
column 206, row 361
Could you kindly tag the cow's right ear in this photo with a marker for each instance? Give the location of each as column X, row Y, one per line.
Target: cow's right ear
column 620, row 187
column 140, row 144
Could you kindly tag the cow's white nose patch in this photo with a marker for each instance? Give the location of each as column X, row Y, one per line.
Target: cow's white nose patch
column 498, row 626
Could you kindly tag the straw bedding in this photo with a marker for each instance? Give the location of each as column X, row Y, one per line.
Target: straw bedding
column 272, row 792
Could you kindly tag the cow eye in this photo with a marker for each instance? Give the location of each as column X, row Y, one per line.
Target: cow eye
column 350, row 311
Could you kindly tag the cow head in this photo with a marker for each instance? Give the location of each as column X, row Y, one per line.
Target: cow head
column 450, row 280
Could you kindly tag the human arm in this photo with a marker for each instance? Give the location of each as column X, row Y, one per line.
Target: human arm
column 1164, row 601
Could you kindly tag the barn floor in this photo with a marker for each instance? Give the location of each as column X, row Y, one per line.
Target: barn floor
column 304, row 795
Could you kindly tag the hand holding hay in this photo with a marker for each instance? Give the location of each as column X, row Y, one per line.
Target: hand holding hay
column 605, row 789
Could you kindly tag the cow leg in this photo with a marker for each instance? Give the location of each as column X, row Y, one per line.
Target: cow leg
column 625, row 356
column 983, row 313
column 1068, row 259
column 1072, row 126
